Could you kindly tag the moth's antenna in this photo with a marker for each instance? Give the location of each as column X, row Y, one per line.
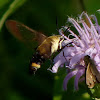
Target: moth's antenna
column 83, row 8
column 63, row 32
column 67, row 29
column 57, row 28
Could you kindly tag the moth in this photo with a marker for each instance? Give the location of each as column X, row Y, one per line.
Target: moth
column 92, row 74
column 46, row 45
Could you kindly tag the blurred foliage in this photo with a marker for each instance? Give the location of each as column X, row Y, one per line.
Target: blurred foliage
column 15, row 81
column 12, row 7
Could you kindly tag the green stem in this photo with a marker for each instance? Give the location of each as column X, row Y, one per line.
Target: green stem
column 10, row 10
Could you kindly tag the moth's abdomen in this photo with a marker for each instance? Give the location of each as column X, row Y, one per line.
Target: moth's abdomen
column 35, row 62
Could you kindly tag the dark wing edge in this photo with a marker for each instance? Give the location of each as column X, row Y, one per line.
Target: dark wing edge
column 24, row 33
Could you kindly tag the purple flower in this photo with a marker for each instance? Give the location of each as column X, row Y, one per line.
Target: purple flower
column 87, row 42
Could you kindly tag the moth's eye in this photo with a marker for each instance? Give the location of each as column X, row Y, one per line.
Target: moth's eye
column 61, row 38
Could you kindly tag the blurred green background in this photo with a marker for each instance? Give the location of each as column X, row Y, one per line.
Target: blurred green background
column 15, row 81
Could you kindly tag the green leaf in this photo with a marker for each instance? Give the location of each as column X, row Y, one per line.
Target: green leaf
column 3, row 3
column 95, row 91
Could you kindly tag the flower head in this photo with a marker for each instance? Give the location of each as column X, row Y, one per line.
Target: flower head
column 87, row 42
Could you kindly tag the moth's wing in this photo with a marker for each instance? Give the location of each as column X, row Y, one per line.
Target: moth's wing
column 95, row 71
column 90, row 78
column 25, row 34
column 98, row 77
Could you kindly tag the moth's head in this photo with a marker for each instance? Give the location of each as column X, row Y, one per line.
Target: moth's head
column 87, row 59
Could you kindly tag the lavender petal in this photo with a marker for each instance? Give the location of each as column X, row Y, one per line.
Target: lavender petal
column 71, row 74
column 78, row 75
